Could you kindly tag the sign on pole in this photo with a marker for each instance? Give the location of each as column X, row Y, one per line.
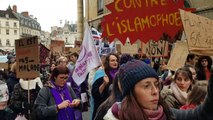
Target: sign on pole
column 88, row 58
column 129, row 49
column 72, row 50
column 178, row 56
column 27, row 57
column 198, row 32
column 155, row 49
column 57, row 46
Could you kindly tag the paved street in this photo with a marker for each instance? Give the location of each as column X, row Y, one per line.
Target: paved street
column 86, row 115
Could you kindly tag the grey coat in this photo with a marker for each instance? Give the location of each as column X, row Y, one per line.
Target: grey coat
column 46, row 108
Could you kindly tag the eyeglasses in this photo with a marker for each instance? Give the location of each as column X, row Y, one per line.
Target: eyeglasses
column 64, row 78
column 204, row 60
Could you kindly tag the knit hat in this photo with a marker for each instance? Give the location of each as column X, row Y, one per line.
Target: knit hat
column 125, row 58
column 147, row 61
column 132, row 72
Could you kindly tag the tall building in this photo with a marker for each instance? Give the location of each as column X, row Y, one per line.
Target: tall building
column 95, row 10
column 9, row 29
column 14, row 25
column 67, row 33
column 29, row 25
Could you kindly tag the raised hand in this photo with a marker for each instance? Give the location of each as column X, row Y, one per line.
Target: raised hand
column 106, row 80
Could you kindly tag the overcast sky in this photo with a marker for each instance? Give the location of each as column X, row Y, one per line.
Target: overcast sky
column 48, row 12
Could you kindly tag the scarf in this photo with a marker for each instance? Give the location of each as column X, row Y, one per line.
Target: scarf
column 180, row 95
column 112, row 73
column 30, row 84
column 60, row 94
column 188, row 107
column 155, row 114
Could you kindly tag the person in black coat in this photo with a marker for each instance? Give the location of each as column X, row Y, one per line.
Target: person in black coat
column 102, row 87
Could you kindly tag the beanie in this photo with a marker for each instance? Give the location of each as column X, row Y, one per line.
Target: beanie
column 147, row 61
column 132, row 72
column 125, row 58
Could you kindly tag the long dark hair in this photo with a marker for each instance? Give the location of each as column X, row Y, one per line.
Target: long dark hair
column 198, row 93
column 199, row 65
column 130, row 109
column 107, row 68
column 114, row 97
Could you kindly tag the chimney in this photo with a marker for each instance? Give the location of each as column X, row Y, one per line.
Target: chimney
column 15, row 8
column 25, row 13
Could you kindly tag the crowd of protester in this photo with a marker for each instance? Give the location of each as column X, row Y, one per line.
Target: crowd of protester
column 124, row 87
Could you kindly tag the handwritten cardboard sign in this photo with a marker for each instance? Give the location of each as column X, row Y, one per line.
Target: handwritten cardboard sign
column 142, row 19
column 27, row 57
column 4, row 65
column 72, row 50
column 178, row 56
column 198, row 32
column 155, row 49
column 129, row 49
column 57, row 46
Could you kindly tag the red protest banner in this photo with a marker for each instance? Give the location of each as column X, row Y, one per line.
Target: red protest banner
column 142, row 19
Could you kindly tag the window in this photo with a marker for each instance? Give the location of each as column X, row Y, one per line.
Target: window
column 7, row 31
column 22, row 21
column 66, row 32
column 7, row 24
column 7, row 42
column 7, row 16
column 100, row 7
column 15, row 32
column 15, row 24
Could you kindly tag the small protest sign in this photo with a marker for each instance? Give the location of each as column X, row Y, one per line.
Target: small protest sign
column 57, row 46
column 27, row 57
column 198, row 32
column 178, row 56
column 155, row 49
